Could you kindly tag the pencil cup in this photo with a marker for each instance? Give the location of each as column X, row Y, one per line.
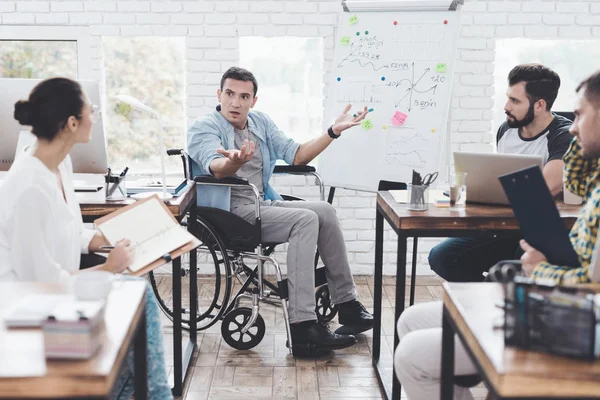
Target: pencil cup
column 115, row 188
column 417, row 197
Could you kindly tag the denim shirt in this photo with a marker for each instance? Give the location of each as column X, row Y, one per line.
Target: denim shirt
column 213, row 131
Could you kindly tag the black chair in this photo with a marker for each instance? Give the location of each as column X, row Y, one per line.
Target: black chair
column 567, row 114
column 390, row 185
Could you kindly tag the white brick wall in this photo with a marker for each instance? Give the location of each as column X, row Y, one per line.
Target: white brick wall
column 212, row 28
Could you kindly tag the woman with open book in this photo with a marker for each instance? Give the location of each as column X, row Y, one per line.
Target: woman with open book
column 41, row 230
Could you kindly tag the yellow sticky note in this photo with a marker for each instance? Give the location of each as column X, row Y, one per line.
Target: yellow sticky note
column 353, row 20
column 345, row 40
column 367, row 124
column 440, row 68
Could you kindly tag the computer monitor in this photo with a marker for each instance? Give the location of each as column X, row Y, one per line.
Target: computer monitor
column 89, row 158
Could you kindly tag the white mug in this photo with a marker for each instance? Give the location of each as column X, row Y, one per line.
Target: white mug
column 571, row 198
column 93, row 285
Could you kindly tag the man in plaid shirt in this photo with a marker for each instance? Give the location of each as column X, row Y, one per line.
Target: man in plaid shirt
column 581, row 176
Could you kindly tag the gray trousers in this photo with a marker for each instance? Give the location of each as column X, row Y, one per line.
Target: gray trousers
column 306, row 225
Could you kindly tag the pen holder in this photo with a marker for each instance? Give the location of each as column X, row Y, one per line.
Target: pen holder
column 115, row 189
column 417, row 197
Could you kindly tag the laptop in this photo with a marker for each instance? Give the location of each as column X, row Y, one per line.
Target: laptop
column 483, row 170
column 538, row 216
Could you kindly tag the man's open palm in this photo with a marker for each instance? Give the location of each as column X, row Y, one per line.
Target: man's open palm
column 346, row 120
column 241, row 156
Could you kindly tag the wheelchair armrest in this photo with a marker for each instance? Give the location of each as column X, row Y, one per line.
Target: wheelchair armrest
column 230, row 180
column 294, row 169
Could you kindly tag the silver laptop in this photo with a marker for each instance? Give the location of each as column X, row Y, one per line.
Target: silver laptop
column 89, row 158
column 483, row 170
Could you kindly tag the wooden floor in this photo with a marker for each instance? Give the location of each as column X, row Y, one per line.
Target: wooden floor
column 269, row 372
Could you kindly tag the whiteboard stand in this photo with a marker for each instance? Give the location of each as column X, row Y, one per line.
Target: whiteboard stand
column 397, row 57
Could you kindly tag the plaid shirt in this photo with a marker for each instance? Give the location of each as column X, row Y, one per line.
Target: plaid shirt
column 581, row 177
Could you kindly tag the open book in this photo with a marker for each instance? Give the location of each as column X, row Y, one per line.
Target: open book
column 152, row 230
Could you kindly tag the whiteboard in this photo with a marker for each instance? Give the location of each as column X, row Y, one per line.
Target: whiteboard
column 400, row 65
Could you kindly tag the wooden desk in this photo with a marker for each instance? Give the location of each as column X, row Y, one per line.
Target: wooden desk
column 435, row 222
column 94, row 205
column 25, row 373
column 509, row 373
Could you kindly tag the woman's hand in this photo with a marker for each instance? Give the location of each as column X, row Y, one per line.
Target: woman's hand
column 120, row 257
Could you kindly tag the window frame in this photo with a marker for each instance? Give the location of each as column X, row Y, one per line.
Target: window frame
column 56, row 33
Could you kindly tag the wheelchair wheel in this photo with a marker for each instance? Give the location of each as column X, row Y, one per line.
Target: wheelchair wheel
column 325, row 310
column 232, row 325
column 213, row 294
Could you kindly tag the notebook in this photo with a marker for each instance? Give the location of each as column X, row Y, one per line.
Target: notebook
column 538, row 216
column 151, row 228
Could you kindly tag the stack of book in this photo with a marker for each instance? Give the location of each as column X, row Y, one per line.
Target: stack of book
column 74, row 330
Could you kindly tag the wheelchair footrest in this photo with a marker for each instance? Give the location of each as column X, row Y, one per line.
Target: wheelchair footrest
column 306, row 350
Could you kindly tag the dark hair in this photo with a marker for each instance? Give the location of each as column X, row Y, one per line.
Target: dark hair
column 591, row 87
column 239, row 74
column 50, row 104
column 540, row 82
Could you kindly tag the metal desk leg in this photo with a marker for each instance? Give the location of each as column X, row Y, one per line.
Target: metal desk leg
column 177, row 330
column 140, row 358
column 377, row 294
column 377, row 286
column 192, row 228
column 399, row 306
column 447, row 384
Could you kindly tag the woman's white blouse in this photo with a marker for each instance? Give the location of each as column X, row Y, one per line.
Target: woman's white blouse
column 41, row 235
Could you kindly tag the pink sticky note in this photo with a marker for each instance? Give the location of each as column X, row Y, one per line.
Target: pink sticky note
column 399, row 118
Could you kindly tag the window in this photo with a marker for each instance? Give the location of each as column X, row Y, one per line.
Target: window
column 572, row 60
column 38, row 59
column 41, row 52
column 289, row 71
column 151, row 69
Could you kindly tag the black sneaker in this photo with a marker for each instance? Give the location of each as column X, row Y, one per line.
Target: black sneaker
column 312, row 339
column 354, row 317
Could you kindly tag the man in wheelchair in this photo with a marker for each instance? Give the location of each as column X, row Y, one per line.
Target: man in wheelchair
column 235, row 141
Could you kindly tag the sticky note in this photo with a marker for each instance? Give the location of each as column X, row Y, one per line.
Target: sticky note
column 353, row 20
column 398, row 119
column 345, row 40
column 367, row 124
column 440, row 68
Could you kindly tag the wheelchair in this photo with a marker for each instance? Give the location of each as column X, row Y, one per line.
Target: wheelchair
column 228, row 241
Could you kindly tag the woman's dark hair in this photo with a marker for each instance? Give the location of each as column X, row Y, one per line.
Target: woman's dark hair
column 49, row 106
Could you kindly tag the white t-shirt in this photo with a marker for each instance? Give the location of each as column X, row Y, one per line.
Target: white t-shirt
column 41, row 236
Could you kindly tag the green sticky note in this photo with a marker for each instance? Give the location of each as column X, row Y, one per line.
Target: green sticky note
column 440, row 68
column 367, row 124
column 345, row 40
column 353, row 20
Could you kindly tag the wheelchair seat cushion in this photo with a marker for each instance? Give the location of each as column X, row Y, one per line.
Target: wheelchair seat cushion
column 235, row 232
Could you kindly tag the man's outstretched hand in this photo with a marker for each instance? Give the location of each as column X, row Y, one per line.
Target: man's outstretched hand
column 346, row 121
column 241, row 156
